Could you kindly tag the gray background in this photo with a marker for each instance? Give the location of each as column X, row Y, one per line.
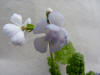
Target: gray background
column 82, row 20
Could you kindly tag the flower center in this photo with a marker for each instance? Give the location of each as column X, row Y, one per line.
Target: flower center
column 23, row 28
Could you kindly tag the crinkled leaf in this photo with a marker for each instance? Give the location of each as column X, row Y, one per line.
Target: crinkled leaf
column 91, row 73
column 76, row 65
column 65, row 53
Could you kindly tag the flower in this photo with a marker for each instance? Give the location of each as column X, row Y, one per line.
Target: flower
column 16, row 30
column 54, row 33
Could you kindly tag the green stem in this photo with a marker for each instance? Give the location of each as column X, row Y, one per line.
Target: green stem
column 51, row 54
column 47, row 14
column 54, row 72
column 53, row 63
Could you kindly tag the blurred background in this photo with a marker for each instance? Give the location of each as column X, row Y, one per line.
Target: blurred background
column 82, row 20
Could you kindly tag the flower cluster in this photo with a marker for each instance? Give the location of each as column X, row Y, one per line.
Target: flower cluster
column 55, row 35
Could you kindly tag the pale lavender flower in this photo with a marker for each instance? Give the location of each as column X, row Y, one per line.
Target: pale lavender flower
column 54, row 33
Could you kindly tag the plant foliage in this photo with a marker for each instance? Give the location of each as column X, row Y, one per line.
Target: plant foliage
column 65, row 53
column 54, row 68
column 76, row 65
column 91, row 73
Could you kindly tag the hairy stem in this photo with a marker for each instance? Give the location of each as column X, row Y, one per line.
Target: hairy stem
column 54, row 69
column 52, row 63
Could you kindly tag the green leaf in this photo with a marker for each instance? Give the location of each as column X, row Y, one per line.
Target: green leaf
column 30, row 27
column 91, row 73
column 76, row 65
column 65, row 53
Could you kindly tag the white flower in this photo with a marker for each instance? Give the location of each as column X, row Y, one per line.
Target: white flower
column 16, row 30
column 54, row 33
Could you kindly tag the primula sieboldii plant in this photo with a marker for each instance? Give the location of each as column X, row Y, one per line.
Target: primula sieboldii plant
column 55, row 38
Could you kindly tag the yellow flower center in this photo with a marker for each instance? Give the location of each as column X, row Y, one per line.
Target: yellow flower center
column 23, row 28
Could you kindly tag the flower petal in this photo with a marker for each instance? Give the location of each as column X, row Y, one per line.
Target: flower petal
column 52, row 33
column 18, row 39
column 52, row 27
column 55, row 47
column 40, row 27
column 56, row 18
column 66, row 41
column 41, row 44
column 28, row 21
column 16, row 19
column 65, row 35
column 11, row 29
column 57, row 38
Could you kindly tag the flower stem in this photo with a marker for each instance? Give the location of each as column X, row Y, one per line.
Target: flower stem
column 47, row 14
column 54, row 70
column 51, row 54
column 52, row 62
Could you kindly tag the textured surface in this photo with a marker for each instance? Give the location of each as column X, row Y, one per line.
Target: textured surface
column 82, row 20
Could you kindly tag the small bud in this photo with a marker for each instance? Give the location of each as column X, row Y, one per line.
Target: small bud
column 49, row 10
